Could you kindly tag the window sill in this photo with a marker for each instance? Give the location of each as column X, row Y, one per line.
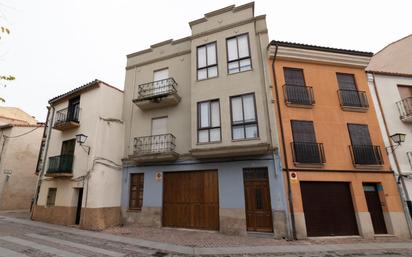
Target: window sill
column 239, row 72
column 245, row 139
column 354, row 109
column 200, row 80
column 368, row 166
column 309, row 165
column 305, row 106
column 209, row 143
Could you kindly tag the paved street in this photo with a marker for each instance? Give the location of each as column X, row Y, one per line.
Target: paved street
column 20, row 237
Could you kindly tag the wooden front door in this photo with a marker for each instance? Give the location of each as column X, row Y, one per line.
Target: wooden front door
column 328, row 209
column 191, row 200
column 375, row 208
column 257, row 199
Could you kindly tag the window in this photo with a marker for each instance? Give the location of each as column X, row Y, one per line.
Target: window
column 238, row 54
column 349, row 95
column 363, row 152
column 294, row 77
column 206, row 61
column 244, row 120
column 405, row 91
column 304, row 145
column 74, row 109
column 208, row 121
column 303, row 131
column 51, row 197
column 136, row 191
column 295, row 89
column 359, row 134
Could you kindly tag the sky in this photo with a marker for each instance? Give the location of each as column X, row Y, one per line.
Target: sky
column 55, row 45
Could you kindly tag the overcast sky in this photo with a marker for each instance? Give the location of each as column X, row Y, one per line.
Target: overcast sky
column 55, row 46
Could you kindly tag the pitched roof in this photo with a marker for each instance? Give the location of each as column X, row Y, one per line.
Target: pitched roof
column 91, row 85
column 320, row 48
column 394, row 59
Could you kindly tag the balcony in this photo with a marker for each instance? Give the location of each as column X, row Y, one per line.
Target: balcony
column 405, row 109
column 353, row 100
column 366, row 155
column 308, row 153
column 156, row 148
column 67, row 118
column 60, row 166
column 298, row 96
column 157, row 94
column 409, row 154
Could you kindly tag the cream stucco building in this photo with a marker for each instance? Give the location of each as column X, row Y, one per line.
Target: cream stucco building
column 390, row 80
column 79, row 181
column 200, row 151
column 20, row 137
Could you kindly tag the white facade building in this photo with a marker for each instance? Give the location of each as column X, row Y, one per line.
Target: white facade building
column 390, row 81
column 80, row 181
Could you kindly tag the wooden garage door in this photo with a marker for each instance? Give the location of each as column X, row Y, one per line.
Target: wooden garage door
column 328, row 209
column 191, row 200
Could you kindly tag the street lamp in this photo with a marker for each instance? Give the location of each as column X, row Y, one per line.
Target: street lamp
column 398, row 138
column 81, row 139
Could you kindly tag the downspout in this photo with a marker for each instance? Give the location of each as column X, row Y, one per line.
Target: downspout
column 282, row 136
column 46, row 148
column 403, row 190
column 272, row 137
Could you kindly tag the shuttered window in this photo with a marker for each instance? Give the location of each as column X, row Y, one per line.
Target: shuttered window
column 294, row 77
column 68, row 147
column 51, row 197
column 303, row 131
column 238, row 54
column 208, row 121
column 136, row 191
column 206, row 61
column 405, row 91
column 359, row 134
column 346, row 81
column 244, row 120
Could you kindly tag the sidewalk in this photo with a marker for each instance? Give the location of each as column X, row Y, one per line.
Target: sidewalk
column 277, row 246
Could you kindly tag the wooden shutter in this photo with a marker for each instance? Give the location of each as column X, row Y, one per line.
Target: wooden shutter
column 136, row 191
column 405, row 91
column 159, row 126
column 294, row 77
column 346, row 81
column 303, row 131
column 68, row 147
column 359, row 134
column 51, row 197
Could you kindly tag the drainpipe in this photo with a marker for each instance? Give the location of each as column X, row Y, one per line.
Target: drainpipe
column 402, row 189
column 282, row 136
column 46, row 148
column 272, row 138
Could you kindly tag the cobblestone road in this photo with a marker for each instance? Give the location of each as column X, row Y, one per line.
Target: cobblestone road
column 22, row 238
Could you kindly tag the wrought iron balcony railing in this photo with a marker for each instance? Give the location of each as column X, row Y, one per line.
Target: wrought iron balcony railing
column 405, row 108
column 61, row 164
column 156, row 89
column 366, row 154
column 306, row 152
column 299, row 95
column 353, row 98
column 67, row 115
column 163, row 143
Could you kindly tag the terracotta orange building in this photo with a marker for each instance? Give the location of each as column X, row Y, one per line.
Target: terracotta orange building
column 339, row 178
